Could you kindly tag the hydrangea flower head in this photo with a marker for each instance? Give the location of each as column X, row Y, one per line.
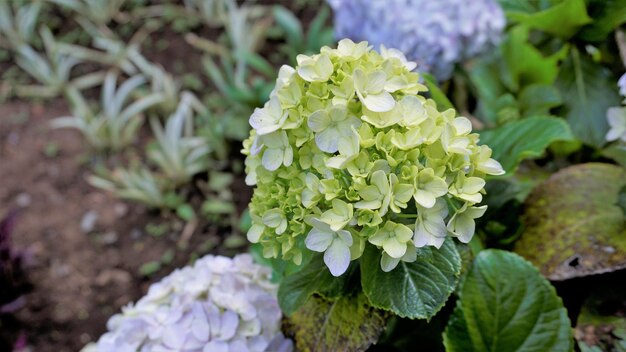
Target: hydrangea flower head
column 361, row 158
column 217, row 305
column 436, row 34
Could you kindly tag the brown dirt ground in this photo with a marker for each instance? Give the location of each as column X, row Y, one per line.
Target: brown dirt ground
column 80, row 278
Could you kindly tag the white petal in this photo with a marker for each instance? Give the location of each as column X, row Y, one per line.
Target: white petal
column 255, row 232
column 424, row 198
column 380, row 102
column 216, row 346
column 394, row 248
column 318, row 121
column 272, row 159
column 388, row 263
column 328, row 140
column 337, row 258
column 318, row 240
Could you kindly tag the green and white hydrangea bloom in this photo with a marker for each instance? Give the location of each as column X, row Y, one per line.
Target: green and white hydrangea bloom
column 219, row 304
column 357, row 156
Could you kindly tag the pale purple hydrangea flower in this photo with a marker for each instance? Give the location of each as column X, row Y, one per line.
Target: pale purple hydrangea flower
column 436, row 34
column 621, row 83
column 217, row 305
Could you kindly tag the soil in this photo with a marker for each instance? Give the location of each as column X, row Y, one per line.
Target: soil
column 82, row 273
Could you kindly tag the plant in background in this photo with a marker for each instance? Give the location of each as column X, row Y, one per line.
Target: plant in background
column 218, row 304
column 17, row 22
column 139, row 185
column 177, row 152
column 296, row 40
column 436, row 34
column 347, row 154
column 115, row 126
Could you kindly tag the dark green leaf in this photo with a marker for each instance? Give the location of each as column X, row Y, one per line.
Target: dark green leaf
column 563, row 19
column 538, row 99
column 313, row 277
column 573, row 223
column 588, row 90
column 607, row 15
column 616, row 152
column 506, row 305
column 443, row 103
column 484, row 76
column 413, row 290
column 348, row 324
column 526, row 6
column 524, row 139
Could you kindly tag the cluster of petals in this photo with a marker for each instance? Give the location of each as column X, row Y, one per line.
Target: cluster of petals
column 437, row 34
column 349, row 152
column 219, row 304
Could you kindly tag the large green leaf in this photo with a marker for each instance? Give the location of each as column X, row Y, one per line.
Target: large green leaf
column 607, row 15
column 524, row 139
column 588, row 90
column 563, row 19
column 574, row 225
column 524, row 64
column 314, row 277
column 413, row 290
column 506, row 305
column 347, row 324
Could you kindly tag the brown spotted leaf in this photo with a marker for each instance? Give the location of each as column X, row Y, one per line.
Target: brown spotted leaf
column 574, row 225
column 347, row 324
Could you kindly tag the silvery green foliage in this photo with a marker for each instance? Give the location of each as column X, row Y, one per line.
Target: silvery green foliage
column 436, row 34
column 218, row 304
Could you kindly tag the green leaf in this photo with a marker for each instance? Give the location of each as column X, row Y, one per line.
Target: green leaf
column 506, row 305
column 588, row 90
column 312, row 278
column 185, row 212
column 607, row 15
column 413, row 290
column 563, row 19
column 289, row 23
column 524, row 64
column 616, row 152
column 443, row 103
column 574, row 225
column 348, row 324
column 538, row 99
column 524, row 139
column 149, row 268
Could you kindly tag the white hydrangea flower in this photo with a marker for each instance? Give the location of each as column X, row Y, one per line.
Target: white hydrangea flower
column 616, row 116
column 617, row 124
column 621, row 83
column 218, row 304
column 436, row 34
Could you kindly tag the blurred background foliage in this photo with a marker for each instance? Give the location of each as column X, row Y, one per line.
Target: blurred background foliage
column 165, row 131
